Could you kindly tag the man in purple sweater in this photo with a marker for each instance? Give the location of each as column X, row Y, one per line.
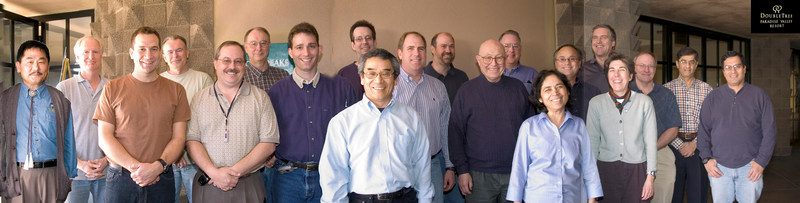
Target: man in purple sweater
column 484, row 124
column 736, row 135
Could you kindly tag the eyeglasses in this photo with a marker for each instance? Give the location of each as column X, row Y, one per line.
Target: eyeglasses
column 645, row 66
column 515, row 46
column 489, row 59
column 570, row 59
column 262, row 43
column 236, row 62
column 734, row 66
column 374, row 74
column 684, row 62
column 359, row 38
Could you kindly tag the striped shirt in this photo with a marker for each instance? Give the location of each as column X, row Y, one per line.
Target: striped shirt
column 429, row 98
column 690, row 99
column 263, row 80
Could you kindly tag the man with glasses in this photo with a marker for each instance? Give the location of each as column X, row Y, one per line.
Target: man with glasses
column 603, row 41
column 176, row 54
column 232, row 131
column 304, row 104
column 258, row 72
column 690, row 94
column 141, row 120
column 568, row 59
column 377, row 150
column 668, row 120
column 362, row 40
column 428, row 96
column 513, row 49
column 484, row 125
column 736, row 135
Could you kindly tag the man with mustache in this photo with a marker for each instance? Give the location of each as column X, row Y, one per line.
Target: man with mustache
column 362, row 40
column 304, row 104
column 83, row 91
column 568, row 61
column 512, row 44
column 429, row 97
column 603, row 41
column 484, row 125
column 141, row 120
column 176, row 54
column 39, row 152
column 232, row 131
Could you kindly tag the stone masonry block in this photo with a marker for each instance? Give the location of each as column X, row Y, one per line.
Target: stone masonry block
column 155, row 15
column 202, row 35
column 177, row 13
column 623, row 5
column 201, row 12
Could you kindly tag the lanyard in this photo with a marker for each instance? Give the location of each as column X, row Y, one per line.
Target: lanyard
column 229, row 108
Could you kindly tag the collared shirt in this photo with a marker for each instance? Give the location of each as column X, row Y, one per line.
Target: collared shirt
column 266, row 79
column 429, row 98
column 452, row 80
column 83, row 100
column 484, row 124
column 553, row 164
column 667, row 114
column 690, row 99
column 350, row 72
column 736, row 128
column 592, row 73
column 629, row 136
column 43, row 143
column 369, row 151
column 303, row 112
column 251, row 120
column 192, row 81
column 580, row 95
column 523, row 73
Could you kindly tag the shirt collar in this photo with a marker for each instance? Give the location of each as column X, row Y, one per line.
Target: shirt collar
column 244, row 91
column 24, row 89
column 542, row 117
column 372, row 108
column 405, row 77
column 300, row 81
column 250, row 67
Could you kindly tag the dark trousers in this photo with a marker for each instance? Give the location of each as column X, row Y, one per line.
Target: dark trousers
column 121, row 188
column 622, row 182
column 409, row 196
column 249, row 189
column 691, row 176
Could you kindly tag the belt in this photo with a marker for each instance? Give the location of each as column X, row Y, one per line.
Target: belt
column 307, row 167
column 41, row 164
column 259, row 171
column 385, row 196
column 687, row 135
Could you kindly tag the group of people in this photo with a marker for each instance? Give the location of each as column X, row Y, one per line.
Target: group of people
column 384, row 129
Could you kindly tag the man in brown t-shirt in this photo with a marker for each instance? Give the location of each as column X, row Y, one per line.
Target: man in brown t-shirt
column 141, row 121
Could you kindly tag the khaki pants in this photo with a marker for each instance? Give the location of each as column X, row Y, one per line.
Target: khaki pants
column 37, row 184
column 664, row 184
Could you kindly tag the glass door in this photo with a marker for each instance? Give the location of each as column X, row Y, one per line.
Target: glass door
column 16, row 29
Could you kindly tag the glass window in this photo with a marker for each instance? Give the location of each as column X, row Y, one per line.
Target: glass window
column 736, row 45
column 712, row 78
column 711, row 52
column 696, row 43
column 78, row 27
column 659, row 76
column 55, row 40
column 723, row 47
column 644, row 37
column 22, row 32
column 658, row 49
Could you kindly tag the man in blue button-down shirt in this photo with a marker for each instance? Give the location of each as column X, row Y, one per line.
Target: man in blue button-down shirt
column 377, row 149
column 40, row 146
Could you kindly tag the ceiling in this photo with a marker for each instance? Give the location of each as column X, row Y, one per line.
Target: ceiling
column 31, row 8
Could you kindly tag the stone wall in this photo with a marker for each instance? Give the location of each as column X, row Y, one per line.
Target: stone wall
column 116, row 20
column 576, row 18
column 770, row 69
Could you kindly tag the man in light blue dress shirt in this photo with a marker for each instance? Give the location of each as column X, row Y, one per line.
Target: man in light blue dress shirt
column 377, row 149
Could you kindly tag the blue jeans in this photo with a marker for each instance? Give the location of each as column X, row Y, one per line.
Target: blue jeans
column 121, row 188
column 437, row 177
column 81, row 190
column 735, row 184
column 184, row 176
column 454, row 195
column 297, row 186
column 267, row 176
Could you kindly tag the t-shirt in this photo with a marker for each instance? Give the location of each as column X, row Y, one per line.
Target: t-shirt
column 191, row 80
column 143, row 113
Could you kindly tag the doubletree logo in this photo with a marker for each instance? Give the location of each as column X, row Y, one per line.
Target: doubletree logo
column 777, row 8
column 778, row 14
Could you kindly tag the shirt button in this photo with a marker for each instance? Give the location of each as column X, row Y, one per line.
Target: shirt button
column 310, row 121
column 312, row 155
column 309, row 107
column 621, row 143
column 620, row 132
column 620, row 155
column 620, row 121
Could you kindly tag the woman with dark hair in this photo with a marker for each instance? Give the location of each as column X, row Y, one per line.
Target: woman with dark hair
column 622, row 128
column 553, row 149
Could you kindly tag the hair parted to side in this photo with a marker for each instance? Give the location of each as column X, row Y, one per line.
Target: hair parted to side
column 381, row 54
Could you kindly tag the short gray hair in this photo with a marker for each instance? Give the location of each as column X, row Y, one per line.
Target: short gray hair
column 381, row 54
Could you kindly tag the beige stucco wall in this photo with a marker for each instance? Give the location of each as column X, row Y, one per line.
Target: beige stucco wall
column 470, row 21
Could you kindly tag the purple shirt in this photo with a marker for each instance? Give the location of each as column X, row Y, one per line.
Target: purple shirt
column 580, row 95
column 593, row 73
column 736, row 128
column 484, row 124
column 303, row 114
column 350, row 72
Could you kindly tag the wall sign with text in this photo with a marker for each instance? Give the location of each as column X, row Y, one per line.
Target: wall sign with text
column 775, row 16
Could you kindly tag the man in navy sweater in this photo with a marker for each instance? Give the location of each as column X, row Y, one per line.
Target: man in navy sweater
column 484, row 124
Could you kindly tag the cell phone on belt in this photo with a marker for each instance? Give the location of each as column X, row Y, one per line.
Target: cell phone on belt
column 203, row 179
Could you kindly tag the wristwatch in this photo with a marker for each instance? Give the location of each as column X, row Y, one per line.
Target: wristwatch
column 652, row 173
column 451, row 169
column 163, row 164
column 705, row 160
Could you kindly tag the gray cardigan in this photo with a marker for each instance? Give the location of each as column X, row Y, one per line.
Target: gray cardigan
column 629, row 136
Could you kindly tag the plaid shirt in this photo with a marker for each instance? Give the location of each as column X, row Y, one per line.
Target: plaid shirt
column 690, row 99
column 265, row 79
